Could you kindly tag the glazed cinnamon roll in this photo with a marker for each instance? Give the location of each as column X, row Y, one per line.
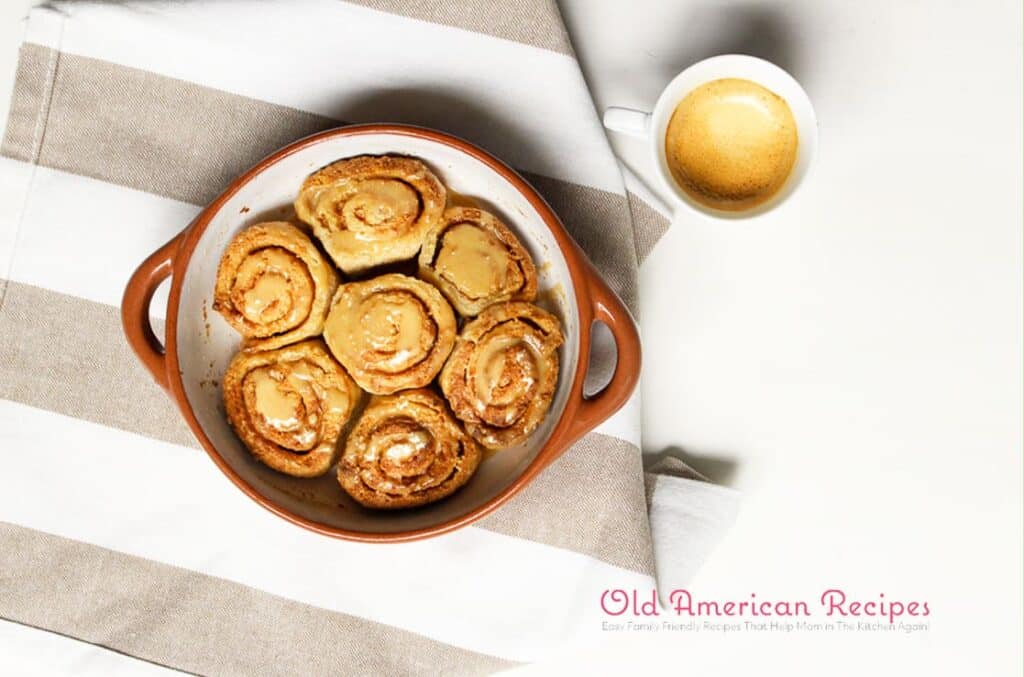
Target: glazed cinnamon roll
column 476, row 261
column 502, row 374
column 273, row 286
column 370, row 210
column 406, row 450
column 289, row 406
column 391, row 332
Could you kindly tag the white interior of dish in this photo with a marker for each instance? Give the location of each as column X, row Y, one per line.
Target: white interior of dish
column 206, row 343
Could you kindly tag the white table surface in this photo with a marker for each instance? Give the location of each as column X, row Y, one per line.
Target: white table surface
column 851, row 362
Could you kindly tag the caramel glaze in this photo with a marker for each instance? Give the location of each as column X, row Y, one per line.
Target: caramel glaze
column 406, row 450
column 273, row 286
column 476, row 261
column 290, row 405
column 391, row 332
column 502, row 374
column 371, row 210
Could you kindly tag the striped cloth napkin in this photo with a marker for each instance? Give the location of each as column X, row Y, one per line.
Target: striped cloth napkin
column 117, row 531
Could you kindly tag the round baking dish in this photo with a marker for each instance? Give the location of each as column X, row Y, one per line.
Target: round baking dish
column 199, row 344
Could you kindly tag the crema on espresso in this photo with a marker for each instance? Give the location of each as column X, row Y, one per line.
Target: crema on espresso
column 731, row 144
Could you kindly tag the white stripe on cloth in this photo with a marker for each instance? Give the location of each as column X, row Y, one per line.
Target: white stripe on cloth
column 28, row 651
column 329, row 58
column 146, row 498
column 84, row 237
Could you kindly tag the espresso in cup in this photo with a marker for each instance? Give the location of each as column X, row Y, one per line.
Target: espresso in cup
column 731, row 144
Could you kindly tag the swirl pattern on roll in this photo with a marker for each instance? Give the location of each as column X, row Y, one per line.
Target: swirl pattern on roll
column 273, row 286
column 370, row 210
column 391, row 332
column 406, row 450
column 502, row 373
column 290, row 405
column 476, row 261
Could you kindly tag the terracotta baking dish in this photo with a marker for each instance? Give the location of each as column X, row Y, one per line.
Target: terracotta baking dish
column 199, row 344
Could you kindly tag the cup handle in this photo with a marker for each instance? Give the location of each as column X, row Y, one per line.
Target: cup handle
column 628, row 121
column 135, row 310
column 606, row 307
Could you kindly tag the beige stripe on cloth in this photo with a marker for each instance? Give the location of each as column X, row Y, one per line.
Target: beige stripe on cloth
column 648, row 225
column 32, row 372
column 200, row 623
column 534, row 22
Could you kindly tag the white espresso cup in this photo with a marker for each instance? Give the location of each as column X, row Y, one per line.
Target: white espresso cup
column 654, row 125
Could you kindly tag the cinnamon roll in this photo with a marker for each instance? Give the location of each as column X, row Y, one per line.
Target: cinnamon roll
column 476, row 261
column 391, row 332
column 406, row 450
column 502, row 373
column 289, row 406
column 273, row 286
column 370, row 210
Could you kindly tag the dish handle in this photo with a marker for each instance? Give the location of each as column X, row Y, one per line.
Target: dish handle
column 135, row 310
column 607, row 308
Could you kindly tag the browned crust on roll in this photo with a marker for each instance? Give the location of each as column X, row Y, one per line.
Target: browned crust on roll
column 306, row 385
column 515, row 279
column 383, row 226
column 511, row 350
column 406, row 450
column 305, row 285
column 391, row 332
